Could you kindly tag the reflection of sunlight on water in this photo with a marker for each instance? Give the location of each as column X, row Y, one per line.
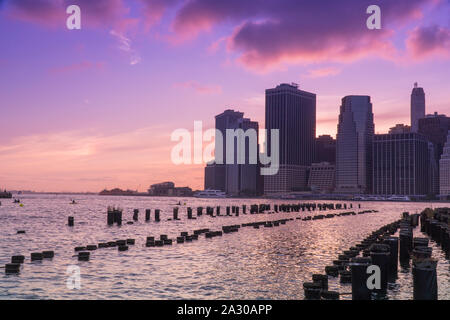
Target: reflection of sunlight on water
column 265, row 263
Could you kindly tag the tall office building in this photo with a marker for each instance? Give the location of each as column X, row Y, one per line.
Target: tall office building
column 354, row 145
column 444, row 171
column 215, row 174
column 293, row 113
column 401, row 164
column 435, row 127
column 325, row 149
column 417, row 107
column 235, row 178
column 244, row 179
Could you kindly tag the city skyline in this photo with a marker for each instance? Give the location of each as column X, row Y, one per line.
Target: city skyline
column 94, row 108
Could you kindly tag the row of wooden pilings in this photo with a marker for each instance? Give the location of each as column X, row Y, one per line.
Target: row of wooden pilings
column 383, row 250
column 114, row 215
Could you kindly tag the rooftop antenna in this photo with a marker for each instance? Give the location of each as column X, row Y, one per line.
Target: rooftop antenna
column 415, row 84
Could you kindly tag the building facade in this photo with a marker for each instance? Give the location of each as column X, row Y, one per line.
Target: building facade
column 401, row 164
column 417, row 107
column 236, row 178
column 325, row 149
column 354, row 145
column 444, row 171
column 243, row 179
column 321, row 177
column 435, row 127
column 293, row 113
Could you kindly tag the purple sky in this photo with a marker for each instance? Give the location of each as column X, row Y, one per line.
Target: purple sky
column 82, row 110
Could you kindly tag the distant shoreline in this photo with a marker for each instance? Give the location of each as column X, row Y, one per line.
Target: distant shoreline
column 234, row 198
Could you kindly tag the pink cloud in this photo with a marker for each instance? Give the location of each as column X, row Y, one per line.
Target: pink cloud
column 270, row 33
column 199, row 88
column 78, row 67
column 323, row 72
column 53, row 12
column 428, row 41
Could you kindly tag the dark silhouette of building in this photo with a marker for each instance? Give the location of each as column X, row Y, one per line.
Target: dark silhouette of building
column 354, row 145
column 401, row 164
column 293, row 113
column 169, row 189
column 435, row 127
column 244, row 178
column 400, row 128
column 215, row 177
column 417, row 107
column 321, row 177
column 444, row 171
column 215, row 174
column 236, row 178
column 325, row 149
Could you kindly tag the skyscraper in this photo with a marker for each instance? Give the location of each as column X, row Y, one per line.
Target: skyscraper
column 325, row 149
column 243, row 179
column 293, row 113
column 444, row 171
column 401, row 164
column 354, row 145
column 417, row 107
column 235, row 178
column 435, row 127
column 215, row 174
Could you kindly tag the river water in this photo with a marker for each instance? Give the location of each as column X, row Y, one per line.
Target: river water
column 265, row 263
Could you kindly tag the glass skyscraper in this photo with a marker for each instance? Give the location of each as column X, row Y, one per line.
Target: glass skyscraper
column 293, row 113
column 417, row 107
column 354, row 145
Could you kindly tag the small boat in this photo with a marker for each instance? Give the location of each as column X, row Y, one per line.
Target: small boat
column 209, row 193
column 398, row 198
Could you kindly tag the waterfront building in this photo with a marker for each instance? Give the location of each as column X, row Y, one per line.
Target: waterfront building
column 444, row 171
column 401, row 164
column 435, row 127
column 236, row 178
column 243, row 179
column 325, row 149
column 293, row 112
column 354, row 145
column 321, row 177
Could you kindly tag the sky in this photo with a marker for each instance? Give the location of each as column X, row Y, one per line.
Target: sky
column 83, row 110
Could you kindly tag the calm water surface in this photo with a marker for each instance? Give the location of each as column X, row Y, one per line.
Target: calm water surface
column 265, row 263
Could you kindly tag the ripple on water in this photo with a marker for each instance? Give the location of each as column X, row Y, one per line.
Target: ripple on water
column 265, row 263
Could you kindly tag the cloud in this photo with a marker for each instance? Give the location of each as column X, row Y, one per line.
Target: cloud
column 78, row 67
column 323, row 72
column 269, row 33
column 53, row 12
column 125, row 46
column 260, row 34
column 429, row 40
column 198, row 87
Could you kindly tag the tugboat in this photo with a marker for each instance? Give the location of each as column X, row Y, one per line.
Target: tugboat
column 5, row 195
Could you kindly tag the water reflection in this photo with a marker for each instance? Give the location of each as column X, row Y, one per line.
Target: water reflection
column 264, row 263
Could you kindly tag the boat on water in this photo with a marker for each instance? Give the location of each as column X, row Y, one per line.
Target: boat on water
column 398, row 198
column 209, row 193
column 381, row 198
column 5, row 195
